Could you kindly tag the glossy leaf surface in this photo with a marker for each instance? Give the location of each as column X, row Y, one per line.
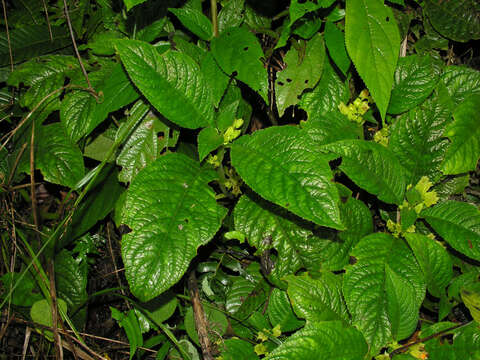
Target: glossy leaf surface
column 278, row 163
column 171, row 212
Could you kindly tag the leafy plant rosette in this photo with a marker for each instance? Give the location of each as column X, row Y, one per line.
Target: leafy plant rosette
column 307, row 173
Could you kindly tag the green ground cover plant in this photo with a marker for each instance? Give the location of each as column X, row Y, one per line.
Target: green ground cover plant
column 256, row 180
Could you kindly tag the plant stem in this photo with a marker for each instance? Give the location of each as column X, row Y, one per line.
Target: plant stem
column 213, row 8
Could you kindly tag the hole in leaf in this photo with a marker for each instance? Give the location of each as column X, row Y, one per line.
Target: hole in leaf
column 280, row 83
column 186, row 221
column 287, row 204
column 352, row 260
column 306, row 81
column 235, row 73
column 289, row 80
column 245, row 48
column 387, row 19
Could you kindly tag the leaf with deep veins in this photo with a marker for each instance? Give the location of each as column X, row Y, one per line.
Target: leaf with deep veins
column 171, row 211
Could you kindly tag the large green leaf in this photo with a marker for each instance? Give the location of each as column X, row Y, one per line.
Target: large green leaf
column 43, row 75
column 322, row 340
column 459, row 224
column 278, row 163
column 280, row 312
column 384, row 289
column 195, row 21
column 57, row 157
column 434, row 260
column 71, row 284
column 217, row 79
column 464, row 151
column 172, row 82
column 32, row 40
column 373, row 43
column 373, row 167
column 417, row 139
column 327, row 95
column 242, row 60
column 81, row 112
column 457, row 20
column 317, row 299
column 335, row 41
column 461, row 82
column 171, row 212
column 303, row 70
column 415, row 78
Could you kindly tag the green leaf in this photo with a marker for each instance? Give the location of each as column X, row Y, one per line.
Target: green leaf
column 171, row 212
column 41, row 313
column 327, row 95
column 322, row 340
column 317, row 299
column 158, row 309
column 331, row 127
column 208, row 140
column 457, row 20
column 459, row 224
column 372, row 167
column 417, row 139
column 231, row 15
column 471, row 298
column 57, row 157
column 280, row 312
column 131, row 3
column 299, row 8
column 172, row 82
column 43, row 75
column 242, row 60
column 25, row 294
column 30, row 41
column 461, row 82
column 142, row 146
column 414, row 80
column 434, row 260
column 278, row 164
column 71, row 284
column 195, row 21
column 335, row 41
column 132, row 328
column 81, row 113
column 217, row 79
column 302, row 72
column 98, row 203
column 237, row 349
column 464, row 133
column 373, row 43
column 384, row 289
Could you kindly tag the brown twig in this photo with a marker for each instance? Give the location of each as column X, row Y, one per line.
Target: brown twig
column 54, row 309
column 199, row 315
column 70, row 28
column 32, row 177
column 8, row 34
column 48, row 20
column 440, row 333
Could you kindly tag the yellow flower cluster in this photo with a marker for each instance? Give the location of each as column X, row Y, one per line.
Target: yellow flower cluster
column 355, row 111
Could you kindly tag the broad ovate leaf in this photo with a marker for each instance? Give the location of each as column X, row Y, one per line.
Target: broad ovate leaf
column 171, row 211
column 322, row 340
column 303, row 70
column 415, row 78
column 81, row 112
column 327, row 95
column 373, row 42
column 461, row 82
column 280, row 312
column 317, row 299
column 279, row 164
column 172, row 82
column 384, row 289
column 373, row 167
column 459, row 224
column 242, row 60
column 464, row 133
column 434, row 260
column 457, row 20
column 195, row 21
column 417, row 139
